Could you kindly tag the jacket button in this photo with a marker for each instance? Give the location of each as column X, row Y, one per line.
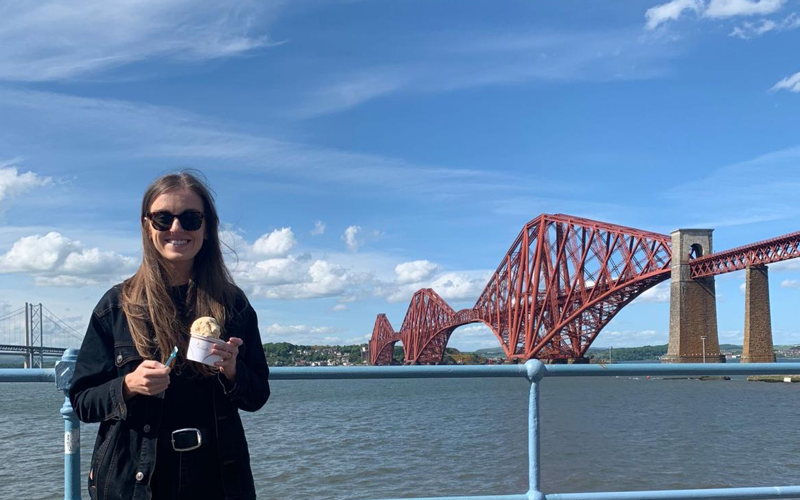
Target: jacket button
column 119, row 358
column 139, row 476
column 147, row 427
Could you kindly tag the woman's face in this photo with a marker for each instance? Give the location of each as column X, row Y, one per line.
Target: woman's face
column 176, row 245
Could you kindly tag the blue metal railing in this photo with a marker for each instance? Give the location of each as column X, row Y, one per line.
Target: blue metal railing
column 62, row 376
column 534, row 371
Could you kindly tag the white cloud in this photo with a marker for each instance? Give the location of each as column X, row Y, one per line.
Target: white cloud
column 475, row 330
column 270, row 272
column 321, row 279
column 790, row 83
column 65, row 281
column 749, row 30
column 658, row 294
column 290, row 277
column 415, row 271
column 350, row 238
column 472, row 337
column 52, row 40
column 232, row 241
column 319, row 228
column 400, row 293
column 301, row 334
column 339, row 307
column 790, row 284
column 714, row 9
column 457, row 286
column 326, row 278
column 278, row 243
column 275, row 329
column 359, row 340
column 785, row 265
column 743, row 287
column 56, row 260
column 13, row 183
column 731, row 337
column 630, row 338
column 731, row 8
column 451, row 286
column 670, row 11
column 791, row 22
column 352, row 92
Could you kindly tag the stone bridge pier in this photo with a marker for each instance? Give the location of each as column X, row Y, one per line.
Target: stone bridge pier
column 693, row 334
column 757, row 321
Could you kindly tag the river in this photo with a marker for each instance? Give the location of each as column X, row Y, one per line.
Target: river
column 371, row 439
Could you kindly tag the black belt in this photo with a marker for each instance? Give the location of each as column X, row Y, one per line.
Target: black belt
column 188, row 439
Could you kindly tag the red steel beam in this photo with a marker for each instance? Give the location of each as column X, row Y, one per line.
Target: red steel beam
column 761, row 253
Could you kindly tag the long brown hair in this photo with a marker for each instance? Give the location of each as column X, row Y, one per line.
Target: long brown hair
column 154, row 320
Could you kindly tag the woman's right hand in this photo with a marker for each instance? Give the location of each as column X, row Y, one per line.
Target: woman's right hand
column 149, row 378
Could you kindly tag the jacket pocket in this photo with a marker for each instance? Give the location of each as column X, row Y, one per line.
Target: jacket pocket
column 126, row 358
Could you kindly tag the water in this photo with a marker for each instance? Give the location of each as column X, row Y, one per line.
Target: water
column 370, row 439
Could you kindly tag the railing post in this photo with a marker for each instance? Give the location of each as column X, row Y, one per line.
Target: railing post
column 535, row 370
column 72, row 428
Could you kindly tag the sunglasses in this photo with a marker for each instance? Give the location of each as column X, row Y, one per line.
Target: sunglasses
column 162, row 221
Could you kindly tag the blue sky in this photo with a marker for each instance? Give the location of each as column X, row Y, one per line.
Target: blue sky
column 361, row 150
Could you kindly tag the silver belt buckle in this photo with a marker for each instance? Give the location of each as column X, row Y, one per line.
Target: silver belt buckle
column 186, row 439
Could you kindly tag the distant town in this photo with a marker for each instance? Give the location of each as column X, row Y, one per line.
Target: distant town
column 286, row 354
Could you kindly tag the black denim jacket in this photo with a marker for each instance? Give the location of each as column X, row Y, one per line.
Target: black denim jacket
column 125, row 450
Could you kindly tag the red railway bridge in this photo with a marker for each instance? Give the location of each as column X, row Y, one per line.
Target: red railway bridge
column 564, row 278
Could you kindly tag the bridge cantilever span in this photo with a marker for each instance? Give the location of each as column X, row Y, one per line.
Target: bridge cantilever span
column 381, row 345
column 563, row 279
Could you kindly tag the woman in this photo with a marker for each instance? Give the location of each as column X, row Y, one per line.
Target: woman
column 171, row 432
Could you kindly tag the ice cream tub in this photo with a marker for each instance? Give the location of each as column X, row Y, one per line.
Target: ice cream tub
column 200, row 349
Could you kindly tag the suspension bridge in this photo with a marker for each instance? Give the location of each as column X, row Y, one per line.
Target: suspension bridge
column 35, row 332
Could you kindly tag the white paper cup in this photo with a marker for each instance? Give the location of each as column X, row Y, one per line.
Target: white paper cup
column 200, row 349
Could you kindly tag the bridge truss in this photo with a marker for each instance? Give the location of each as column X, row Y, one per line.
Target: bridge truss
column 764, row 252
column 563, row 279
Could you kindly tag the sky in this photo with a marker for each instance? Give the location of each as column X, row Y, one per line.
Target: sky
column 362, row 150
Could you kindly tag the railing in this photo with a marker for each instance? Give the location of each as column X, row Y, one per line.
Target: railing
column 62, row 376
column 534, row 371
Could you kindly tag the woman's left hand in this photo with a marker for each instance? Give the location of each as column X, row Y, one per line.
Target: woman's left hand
column 228, row 353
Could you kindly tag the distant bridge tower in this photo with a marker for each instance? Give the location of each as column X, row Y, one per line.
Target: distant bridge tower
column 693, row 308
column 33, row 335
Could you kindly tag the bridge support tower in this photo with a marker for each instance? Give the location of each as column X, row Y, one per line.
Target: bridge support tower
column 33, row 336
column 693, row 334
column 757, row 321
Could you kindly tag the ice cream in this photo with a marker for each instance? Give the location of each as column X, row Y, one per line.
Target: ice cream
column 206, row 327
column 205, row 333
